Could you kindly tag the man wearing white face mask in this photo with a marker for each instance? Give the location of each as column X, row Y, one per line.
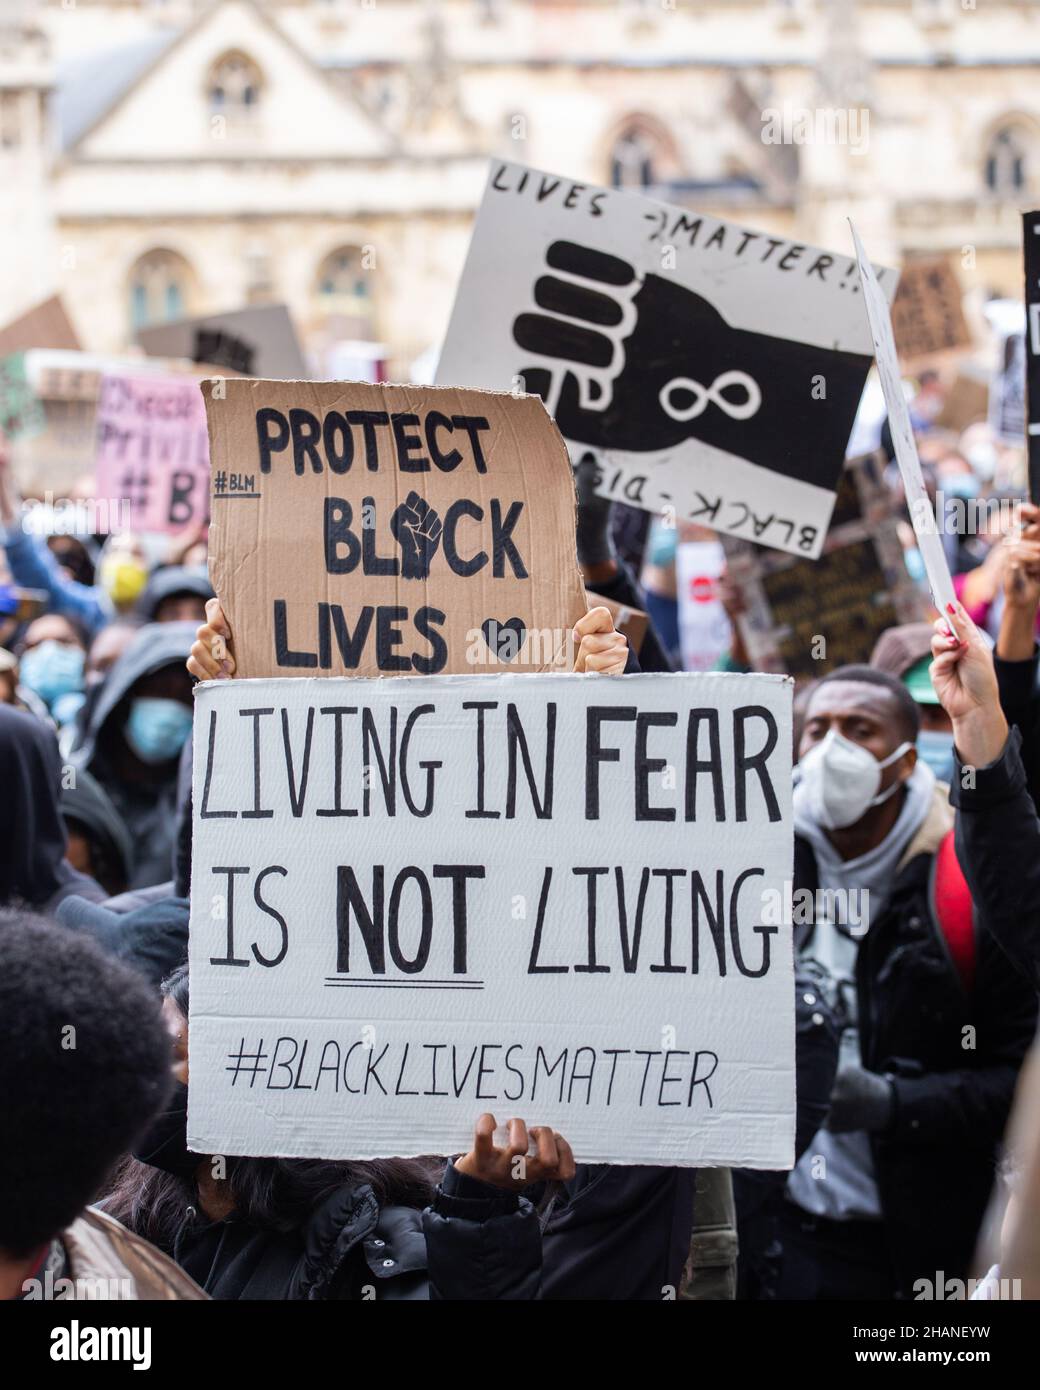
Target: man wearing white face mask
column 894, row 1186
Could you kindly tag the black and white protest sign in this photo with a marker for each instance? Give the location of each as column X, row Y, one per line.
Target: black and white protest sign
column 561, row 897
column 709, row 369
column 1031, row 253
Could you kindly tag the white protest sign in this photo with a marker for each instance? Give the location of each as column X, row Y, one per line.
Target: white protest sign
column 708, row 369
column 555, row 896
column 922, row 512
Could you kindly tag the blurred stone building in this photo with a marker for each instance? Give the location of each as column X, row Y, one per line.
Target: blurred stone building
column 164, row 157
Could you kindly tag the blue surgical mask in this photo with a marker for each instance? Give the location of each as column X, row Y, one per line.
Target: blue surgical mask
column 935, row 749
column 960, row 485
column 53, row 669
column 157, row 729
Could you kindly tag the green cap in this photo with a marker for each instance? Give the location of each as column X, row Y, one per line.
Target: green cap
column 919, row 683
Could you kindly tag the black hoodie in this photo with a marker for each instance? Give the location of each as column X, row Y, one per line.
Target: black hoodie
column 33, row 868
column 148, row 809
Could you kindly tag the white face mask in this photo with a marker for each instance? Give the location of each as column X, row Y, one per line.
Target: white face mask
column 840, row 781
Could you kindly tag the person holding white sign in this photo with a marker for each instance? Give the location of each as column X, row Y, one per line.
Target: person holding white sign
column 936, row 1022
column 269, row 1228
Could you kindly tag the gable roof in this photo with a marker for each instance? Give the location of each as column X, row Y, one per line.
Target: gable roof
column 92, row 89
column 88, row 88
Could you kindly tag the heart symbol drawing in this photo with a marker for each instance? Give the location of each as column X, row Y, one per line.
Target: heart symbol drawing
column 504, row 640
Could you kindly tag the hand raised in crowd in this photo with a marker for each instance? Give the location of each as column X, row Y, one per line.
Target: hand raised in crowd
column 512, row 1167
column 600, row 647
column 1021, row 587
column 211, row 658
column 966, row 683
column 9, row 498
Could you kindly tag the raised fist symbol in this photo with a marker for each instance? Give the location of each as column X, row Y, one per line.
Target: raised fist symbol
column 417, row 530
column 640, row 364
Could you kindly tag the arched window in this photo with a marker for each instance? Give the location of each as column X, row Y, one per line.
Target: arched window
column 161, row 288
column 1007, row 162
column 234, row 87
column 642, row 155
column 342, row 286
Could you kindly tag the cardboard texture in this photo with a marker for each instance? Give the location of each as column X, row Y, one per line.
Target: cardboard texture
column 922, row 512
column 417, row 900
column 258, row 341
column 928, row 310
column 153, row 450
column 858, row 587
column 47, row 325
column 707, row 368
column 390, row 530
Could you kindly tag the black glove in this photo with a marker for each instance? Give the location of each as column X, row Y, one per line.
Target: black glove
column 860, row 1100
column 594, row 543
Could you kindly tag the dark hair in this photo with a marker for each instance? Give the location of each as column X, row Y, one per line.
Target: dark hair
column 272, row 1194
column 84, row 1064
column 908, row 717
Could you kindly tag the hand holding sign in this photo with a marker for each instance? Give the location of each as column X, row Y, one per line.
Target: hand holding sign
column 511, row 1167
column 211, row 658
column 965, row 681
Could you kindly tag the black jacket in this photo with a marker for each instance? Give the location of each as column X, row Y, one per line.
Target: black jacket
column 613, row 1233
column 998, row 846
column 953, row 1059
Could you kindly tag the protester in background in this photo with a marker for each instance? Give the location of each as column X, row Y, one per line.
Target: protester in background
column 895, row 1186
column 52, row 662
column 132, row 741
column 906, row 653
column 602, row 568
column 1016, row 650
column 309, row 1229
column 658, row 583
column 174, row 594
column 998, row 833
column 34, row 869
column 8, row 677
column 98, row 840
column 84, row 1064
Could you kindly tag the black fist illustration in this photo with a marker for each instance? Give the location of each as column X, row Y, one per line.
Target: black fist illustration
column 641, row 364
column 417, row 530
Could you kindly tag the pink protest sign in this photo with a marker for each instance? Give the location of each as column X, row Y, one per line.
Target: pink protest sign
column 152, row 450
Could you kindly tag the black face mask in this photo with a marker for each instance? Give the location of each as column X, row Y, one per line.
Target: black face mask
column 164, row 1143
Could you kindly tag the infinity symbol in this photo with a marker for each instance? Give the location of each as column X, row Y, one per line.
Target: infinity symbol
column 712, row 395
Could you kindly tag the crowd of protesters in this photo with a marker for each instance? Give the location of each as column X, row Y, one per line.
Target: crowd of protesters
column 916, row 778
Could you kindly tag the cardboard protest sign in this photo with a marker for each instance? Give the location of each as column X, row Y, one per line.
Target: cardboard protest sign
column 46, row 325
column 928, row 310
column 922, row 513
column 704, row 627
column 1031, row 254
column 708, row 369
column 807, row 617
column 153, row 450
column 561, row 897
column 258, row 341
column 381, row 530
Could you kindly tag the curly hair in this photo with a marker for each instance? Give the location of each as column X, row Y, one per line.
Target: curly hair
column 85, row 1062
